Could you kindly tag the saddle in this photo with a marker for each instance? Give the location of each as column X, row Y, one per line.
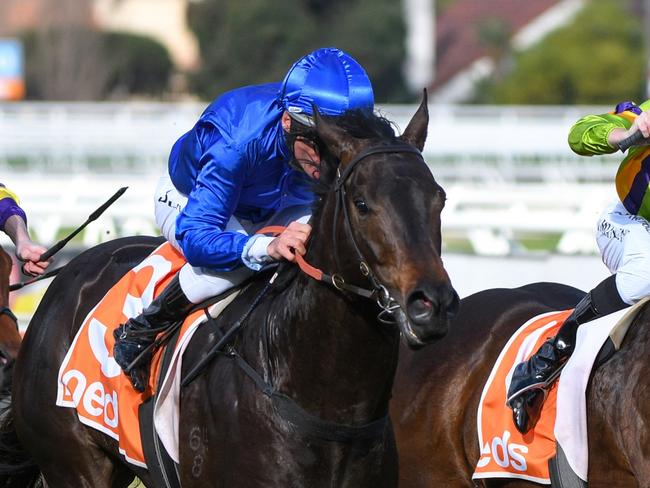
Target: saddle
column 159, row 414
column 90, row 380
column 558, row 443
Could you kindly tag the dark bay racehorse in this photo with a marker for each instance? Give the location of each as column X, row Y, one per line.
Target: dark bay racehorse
column 9, row 335
column 328, row 359
column 437, row 391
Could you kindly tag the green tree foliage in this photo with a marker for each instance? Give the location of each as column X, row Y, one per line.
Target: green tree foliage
column 76, row 63
column 256, row 41
column 598, row 59
column 64, row 64
column 139, row 65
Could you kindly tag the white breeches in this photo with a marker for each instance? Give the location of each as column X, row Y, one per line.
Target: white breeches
column 624, row 243
column 197, row 283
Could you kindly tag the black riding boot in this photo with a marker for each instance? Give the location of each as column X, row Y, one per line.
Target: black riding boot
column 532, row 378
column 138, row 333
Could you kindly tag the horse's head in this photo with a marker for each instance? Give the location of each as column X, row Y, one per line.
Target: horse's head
column 385, row 210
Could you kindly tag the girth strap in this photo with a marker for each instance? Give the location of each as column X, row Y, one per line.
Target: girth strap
column 305, row 422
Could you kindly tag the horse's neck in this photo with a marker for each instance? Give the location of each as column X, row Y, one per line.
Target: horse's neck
column 327, row 345
column 5, row 274
column 9, row 337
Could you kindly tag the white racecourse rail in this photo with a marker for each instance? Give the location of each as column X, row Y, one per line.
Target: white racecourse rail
column 507, row 170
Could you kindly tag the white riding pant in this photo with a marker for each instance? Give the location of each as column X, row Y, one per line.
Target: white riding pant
column 199, row 283
column 624, row 243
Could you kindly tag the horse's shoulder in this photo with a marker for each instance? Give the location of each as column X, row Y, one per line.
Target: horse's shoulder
column 253, row 304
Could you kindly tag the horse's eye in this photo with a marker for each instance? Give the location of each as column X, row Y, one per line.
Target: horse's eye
column 361, row 206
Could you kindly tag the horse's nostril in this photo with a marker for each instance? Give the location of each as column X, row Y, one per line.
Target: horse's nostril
column 423, row 304
column 419, row 306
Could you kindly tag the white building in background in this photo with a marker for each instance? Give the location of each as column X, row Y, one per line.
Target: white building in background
column 502, row 182
column 163, row 20
column 419, row 17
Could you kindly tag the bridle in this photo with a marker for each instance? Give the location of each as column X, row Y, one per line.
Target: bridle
column 377, row 291
column 7, row 311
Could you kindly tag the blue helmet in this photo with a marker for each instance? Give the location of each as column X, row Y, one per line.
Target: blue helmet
column 328, row 78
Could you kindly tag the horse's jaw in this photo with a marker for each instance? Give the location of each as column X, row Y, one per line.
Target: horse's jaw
column 417, row 336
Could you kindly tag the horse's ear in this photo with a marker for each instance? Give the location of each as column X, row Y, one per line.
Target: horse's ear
column 416, row 132
column 338, row 141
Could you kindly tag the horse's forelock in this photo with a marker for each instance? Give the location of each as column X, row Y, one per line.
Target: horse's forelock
column 361, row 124
column 357, row 124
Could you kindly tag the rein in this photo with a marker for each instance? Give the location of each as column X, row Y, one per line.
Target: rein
column 59, row 245
column 334, row 280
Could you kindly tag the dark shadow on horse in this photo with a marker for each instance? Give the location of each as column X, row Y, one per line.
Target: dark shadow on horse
column 10, row 338
column 321, row 349
column 438, row 389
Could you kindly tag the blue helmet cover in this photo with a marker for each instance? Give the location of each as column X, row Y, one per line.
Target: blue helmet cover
column 328, row 78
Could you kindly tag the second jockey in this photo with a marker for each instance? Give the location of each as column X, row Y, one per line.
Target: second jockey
column 229, row 176
column 13, row 221
column 623, row 237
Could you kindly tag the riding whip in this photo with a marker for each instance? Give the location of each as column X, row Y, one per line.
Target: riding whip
column 92, row 217
column 59, row 245
column 632, row 140
column 49, row 274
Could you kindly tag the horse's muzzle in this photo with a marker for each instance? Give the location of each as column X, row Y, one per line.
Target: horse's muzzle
column 430, row 309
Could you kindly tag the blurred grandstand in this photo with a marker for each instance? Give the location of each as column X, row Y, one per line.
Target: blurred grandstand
column 508, row 171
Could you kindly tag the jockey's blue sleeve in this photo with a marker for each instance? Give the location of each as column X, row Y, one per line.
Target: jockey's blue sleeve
column 234, row 161
column 211, row 203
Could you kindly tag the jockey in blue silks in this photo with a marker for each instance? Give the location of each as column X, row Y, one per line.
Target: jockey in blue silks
column 229, row 176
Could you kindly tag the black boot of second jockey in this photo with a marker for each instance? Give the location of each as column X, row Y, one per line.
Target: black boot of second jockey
column 532, row 378
column 138, row 333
